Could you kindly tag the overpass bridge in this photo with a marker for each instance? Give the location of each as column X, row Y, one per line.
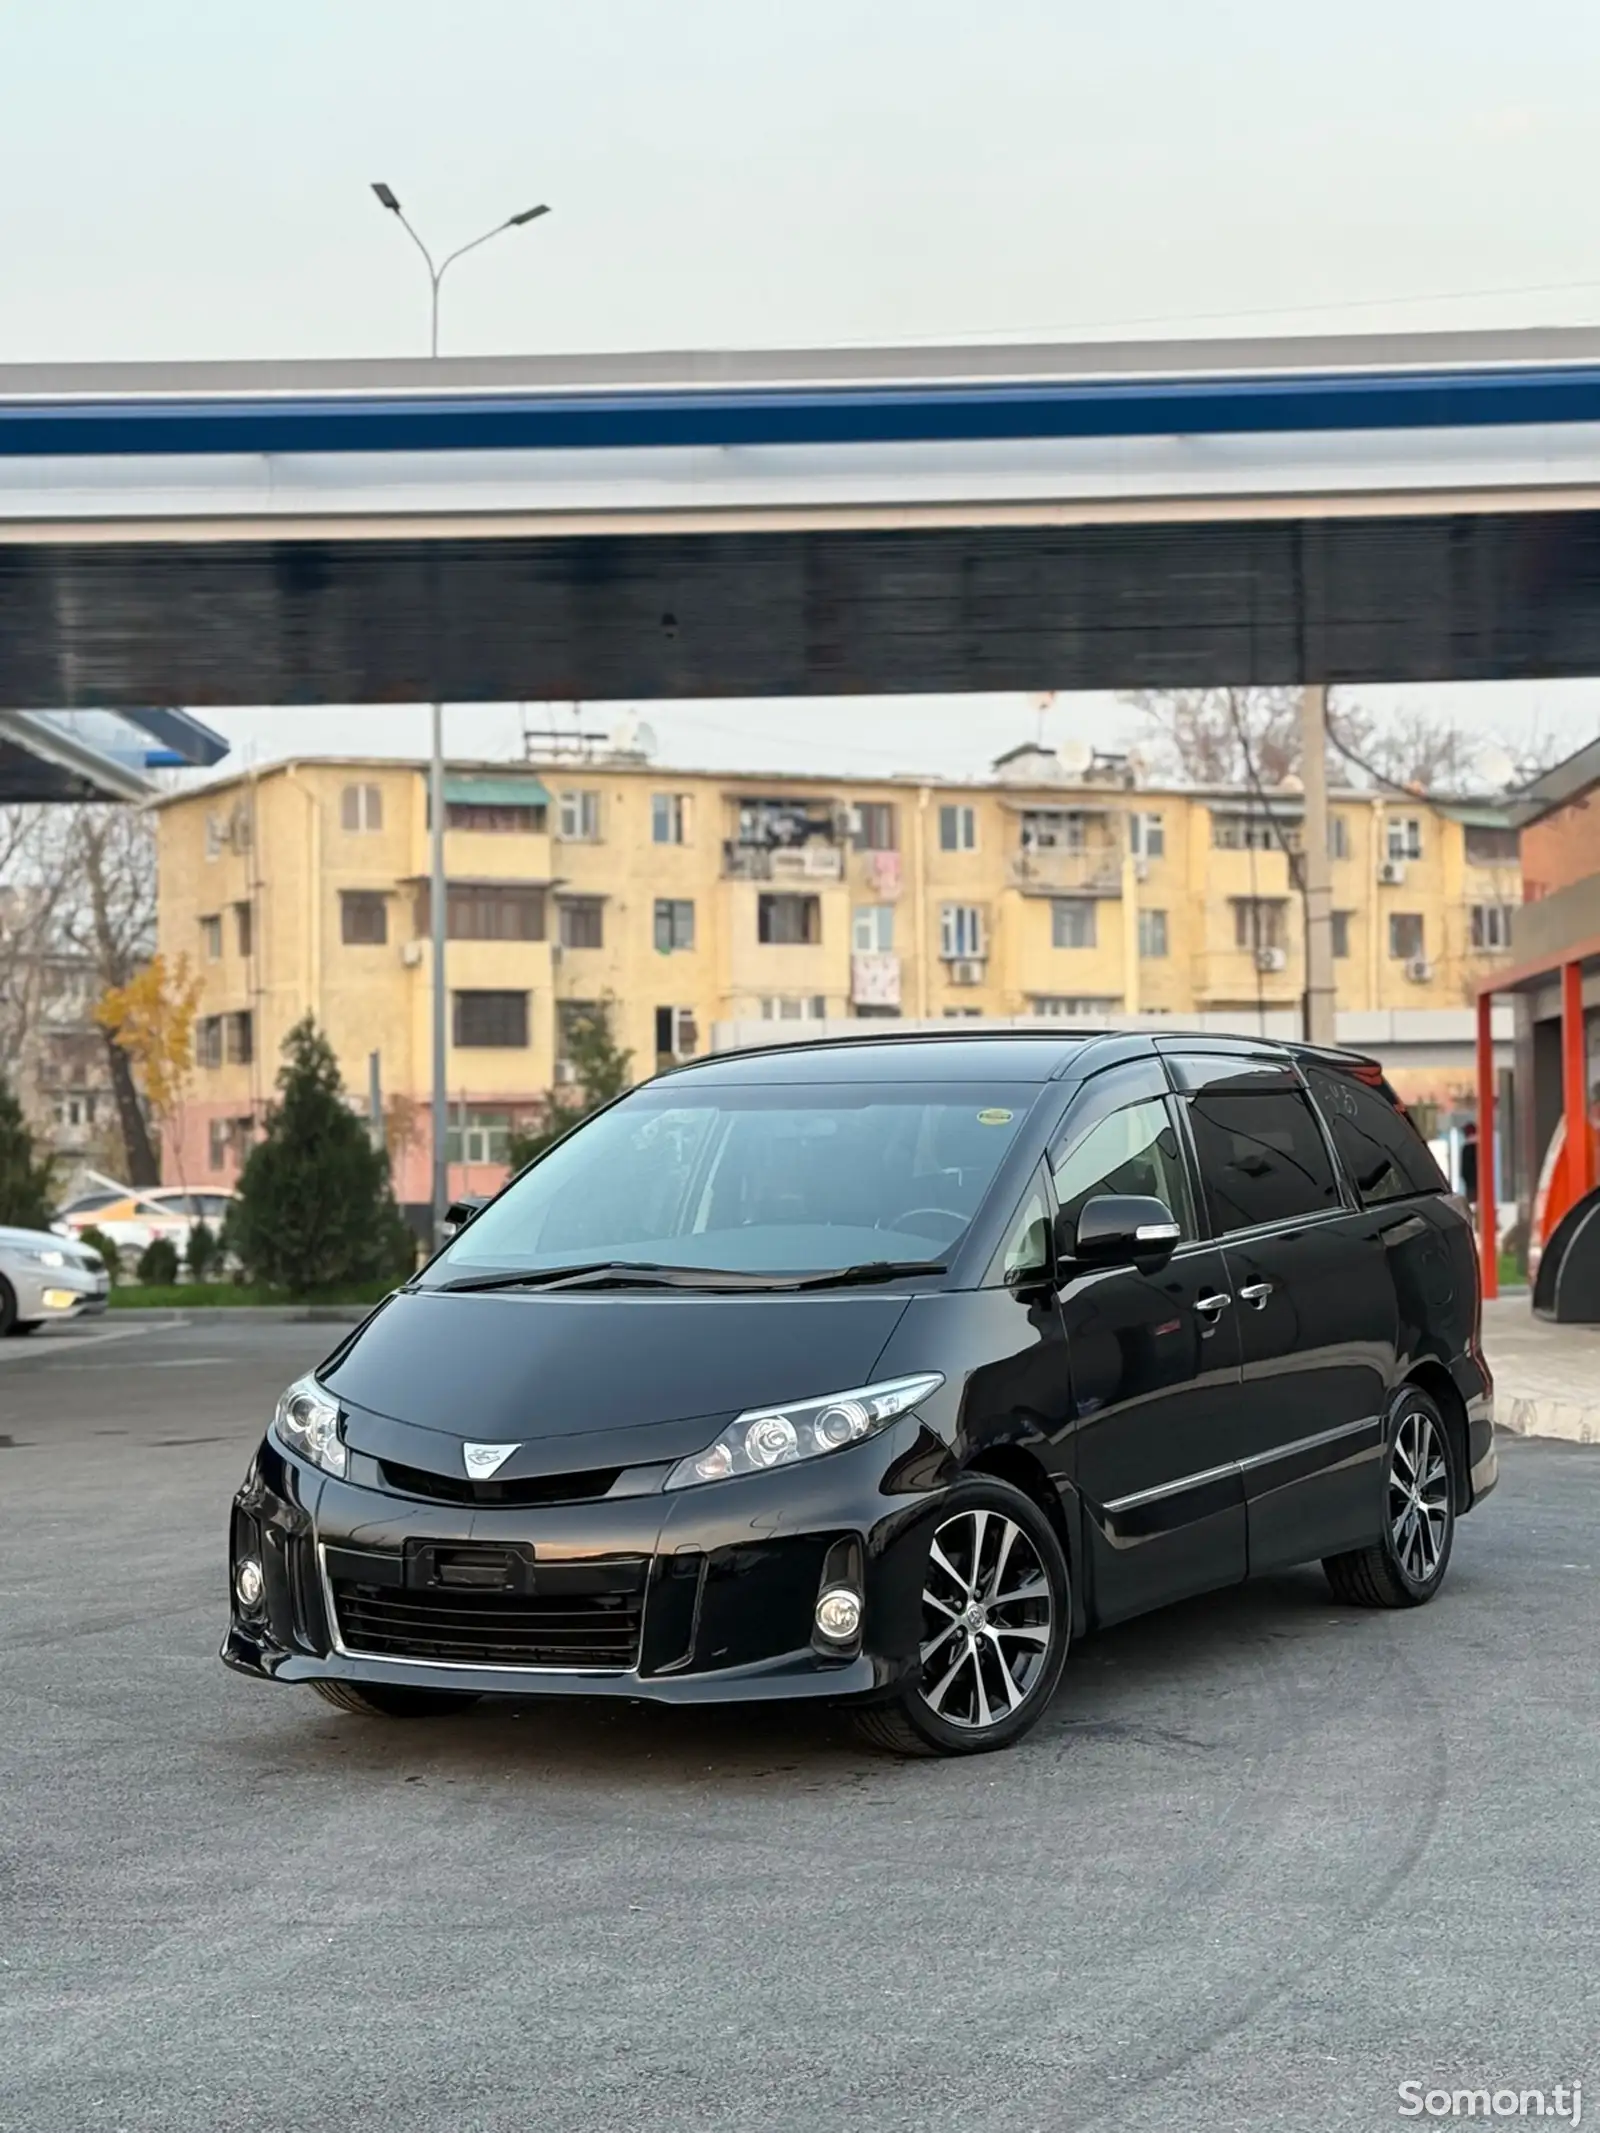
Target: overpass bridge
column 815, row 522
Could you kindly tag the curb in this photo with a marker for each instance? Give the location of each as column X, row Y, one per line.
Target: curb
column 244, row 1315
column 1538, row 1417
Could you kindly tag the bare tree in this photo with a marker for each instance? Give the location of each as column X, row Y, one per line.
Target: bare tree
column 111, row 918
column 1242, row 736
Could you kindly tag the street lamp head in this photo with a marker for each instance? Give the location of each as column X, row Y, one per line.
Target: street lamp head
column 529, row 214
column 387, row 198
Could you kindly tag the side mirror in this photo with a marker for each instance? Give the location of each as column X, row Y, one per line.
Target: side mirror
column 460, row 1212
column 1118, row 1229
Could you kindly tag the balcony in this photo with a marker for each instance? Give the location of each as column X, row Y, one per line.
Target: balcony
column 1057, row 870
column 784, row 863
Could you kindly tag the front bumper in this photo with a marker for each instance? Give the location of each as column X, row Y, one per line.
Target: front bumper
column 704, row 1595
column 61, row 1292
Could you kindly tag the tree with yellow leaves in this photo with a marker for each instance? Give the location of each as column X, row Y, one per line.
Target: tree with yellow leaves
column 151, row 1020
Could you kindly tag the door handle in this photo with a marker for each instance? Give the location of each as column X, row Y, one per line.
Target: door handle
column 1257, row 1294
column 1211, row 1306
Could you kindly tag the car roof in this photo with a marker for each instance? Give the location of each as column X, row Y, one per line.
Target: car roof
column 1016, row 1055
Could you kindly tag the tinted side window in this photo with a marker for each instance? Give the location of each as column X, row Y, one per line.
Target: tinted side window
column 1262, row 1157
column 1134, row 1150
column 1385, row 1155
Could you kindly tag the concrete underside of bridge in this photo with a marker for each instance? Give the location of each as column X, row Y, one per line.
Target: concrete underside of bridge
column 837, row 610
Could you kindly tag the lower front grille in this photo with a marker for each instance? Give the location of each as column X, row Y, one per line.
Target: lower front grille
column 582, row 1487
column 466, row 1628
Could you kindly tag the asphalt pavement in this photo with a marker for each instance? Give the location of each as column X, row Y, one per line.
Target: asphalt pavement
column 1265, row 1860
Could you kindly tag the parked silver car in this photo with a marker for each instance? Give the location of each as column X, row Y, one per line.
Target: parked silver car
column 44, row 1276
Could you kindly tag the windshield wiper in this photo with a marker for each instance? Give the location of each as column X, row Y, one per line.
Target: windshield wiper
column 614, row 1273
column 651, row 1274
column 846, row 1277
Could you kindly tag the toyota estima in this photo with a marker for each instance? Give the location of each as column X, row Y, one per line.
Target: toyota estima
column 874, row 1372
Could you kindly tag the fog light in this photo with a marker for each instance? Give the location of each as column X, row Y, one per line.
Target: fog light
column 839, row 1614
column 60, row 1299
column 247, row 1582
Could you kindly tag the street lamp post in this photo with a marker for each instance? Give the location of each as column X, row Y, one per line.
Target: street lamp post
column 438, row 892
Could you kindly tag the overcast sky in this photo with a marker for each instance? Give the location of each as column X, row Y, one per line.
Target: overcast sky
column 190, row 178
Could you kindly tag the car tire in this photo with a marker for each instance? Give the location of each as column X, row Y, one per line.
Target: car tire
column 371, row 1700
column 1405, row 1567
column 20, row 1326
column 989, row 1540
column 8, row 1308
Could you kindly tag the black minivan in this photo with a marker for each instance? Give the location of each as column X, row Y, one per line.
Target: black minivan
column 874, row 1371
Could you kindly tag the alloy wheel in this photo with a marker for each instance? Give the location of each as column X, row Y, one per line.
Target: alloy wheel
column 1419, row 1496
column 987, row 1619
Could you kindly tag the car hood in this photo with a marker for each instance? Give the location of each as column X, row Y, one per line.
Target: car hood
column 32, row 1240
column 602, row 1380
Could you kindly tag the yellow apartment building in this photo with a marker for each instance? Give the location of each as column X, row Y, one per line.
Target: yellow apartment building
column 700, row 908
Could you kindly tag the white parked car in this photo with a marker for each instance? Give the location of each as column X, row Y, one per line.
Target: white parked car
column 132, row 1219
column 43, row 1276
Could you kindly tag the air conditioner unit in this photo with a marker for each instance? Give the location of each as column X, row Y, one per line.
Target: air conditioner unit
column 1272, row 959
column 411, row 953
column 967, row 971
column 557, row 951
column 566, row 1073
column 1141, row 867
column 1392, row 873
column 1419, row 970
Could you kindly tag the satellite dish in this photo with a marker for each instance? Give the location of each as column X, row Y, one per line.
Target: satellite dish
column 1076, row 758
column 1494, row 768
column 625, row 734
column 644, row 739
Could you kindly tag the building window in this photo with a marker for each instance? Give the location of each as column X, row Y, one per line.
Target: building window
column 1404, row 835
column 674, row 924
column 241, row 1038
column 1491, row 926
column 490, row 1021
column 1340, row 926
column 677, row 1033
column 208, row 1041
column 582, row 921
column 1072, row 922
column 363, row 918
column 872, row 929
column 1052, row 829
column 244, row 928
column 958, row 829
column 578, row 818
column 1489, row 847
column 960, row 932
column 1070, row 1006
column 211, row 937
column 499, row 911
column 874, row 829
column 1260, row 922
column 496, row 819
column 221, row 1140
column 786, row 1007
column 1147, row 836
column 361, row 808
column 669, row 817
column 1405, row 936
column 480, row 1137
column 1152, row 935
column 789, row 921
column 1338, row 837
column 1253, row 833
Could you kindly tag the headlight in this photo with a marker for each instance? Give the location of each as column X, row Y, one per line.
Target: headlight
column 308, row 1422
column 45, row 1258
column 801, row 1429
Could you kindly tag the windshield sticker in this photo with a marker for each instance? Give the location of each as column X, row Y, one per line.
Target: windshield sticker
column 995, row 1118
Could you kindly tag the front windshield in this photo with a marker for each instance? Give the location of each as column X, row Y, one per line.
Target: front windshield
column 760, row 1180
